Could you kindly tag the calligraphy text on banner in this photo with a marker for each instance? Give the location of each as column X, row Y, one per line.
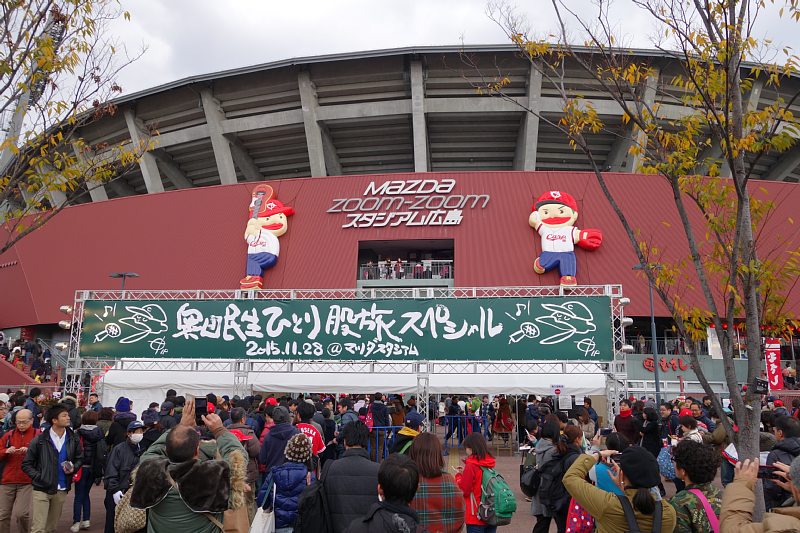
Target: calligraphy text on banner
column 772, row 354
column 552, row 328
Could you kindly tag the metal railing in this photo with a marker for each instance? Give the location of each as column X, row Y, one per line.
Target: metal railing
column 381, row 439
column 425, row 269
column 459, row 426
column 666, row 346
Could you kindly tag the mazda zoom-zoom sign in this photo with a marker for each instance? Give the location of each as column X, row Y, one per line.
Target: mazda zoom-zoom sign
column 564, row 328
column 407, row 203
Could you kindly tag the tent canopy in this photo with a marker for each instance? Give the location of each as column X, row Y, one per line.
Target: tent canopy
column 145, row 386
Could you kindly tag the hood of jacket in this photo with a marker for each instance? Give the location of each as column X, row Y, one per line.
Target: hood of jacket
column 789, row 445
column 204, row 486
column 283, row 431
column 124, row 418
column 392, row 518
column 245, row 429
column 69, row 402
column 90, row 433
column 486, row 462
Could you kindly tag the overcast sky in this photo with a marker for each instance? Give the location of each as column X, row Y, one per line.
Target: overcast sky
column 190, row 37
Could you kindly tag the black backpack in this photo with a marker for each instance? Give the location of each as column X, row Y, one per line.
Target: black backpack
column 99, row 460
column 552, row 494
column 313, row 515
column 630, row 517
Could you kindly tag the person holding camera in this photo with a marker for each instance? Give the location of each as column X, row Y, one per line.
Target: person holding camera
column 739, row 500
column 180, row 483
column 51, row 460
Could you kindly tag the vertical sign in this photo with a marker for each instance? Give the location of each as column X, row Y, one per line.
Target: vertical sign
column 773, row 357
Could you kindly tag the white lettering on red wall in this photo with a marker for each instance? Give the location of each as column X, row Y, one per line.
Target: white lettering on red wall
column 407, row 203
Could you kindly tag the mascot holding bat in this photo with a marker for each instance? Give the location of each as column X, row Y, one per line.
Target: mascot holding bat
column 268, row 221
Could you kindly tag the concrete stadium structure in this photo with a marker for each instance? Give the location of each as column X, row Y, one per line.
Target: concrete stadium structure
column 385, row 111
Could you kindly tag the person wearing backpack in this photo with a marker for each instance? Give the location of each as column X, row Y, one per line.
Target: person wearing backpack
column 636, row 473
column 698, row 506
column 90, row 437
column 552, row 493
column 546, row 452
column 470, row 480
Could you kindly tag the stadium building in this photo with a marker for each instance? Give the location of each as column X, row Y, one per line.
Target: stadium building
column 391, row 172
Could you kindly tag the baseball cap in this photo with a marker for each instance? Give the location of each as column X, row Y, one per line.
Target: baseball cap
column 4, row 397
column 149, row 418
column 271, row 401
column 414, row 419
column 136, row 424
column 166, row 407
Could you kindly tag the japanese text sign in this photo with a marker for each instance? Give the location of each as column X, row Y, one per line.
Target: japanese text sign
column 552, row 328
column 665, row 365
column 772, row 354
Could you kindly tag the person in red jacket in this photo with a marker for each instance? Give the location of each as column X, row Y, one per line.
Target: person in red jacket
column 16, row 484
column 470, row 477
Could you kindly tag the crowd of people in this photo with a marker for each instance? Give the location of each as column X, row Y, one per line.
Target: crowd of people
column 364, row 463
column 30, row 357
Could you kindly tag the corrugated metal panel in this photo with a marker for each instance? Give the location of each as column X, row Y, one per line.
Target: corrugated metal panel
column 192, row 238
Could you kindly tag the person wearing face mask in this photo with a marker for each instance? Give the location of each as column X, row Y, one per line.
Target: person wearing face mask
column 121, row 461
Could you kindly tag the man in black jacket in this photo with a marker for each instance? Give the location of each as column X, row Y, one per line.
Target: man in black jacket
column 351, row 480
column 380, row 418
column 397, row 485
column 787, row 431
column 51, row 460
column 121, row 461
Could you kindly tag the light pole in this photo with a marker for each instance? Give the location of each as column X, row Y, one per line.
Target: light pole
column 653, row 341
column 124, row 276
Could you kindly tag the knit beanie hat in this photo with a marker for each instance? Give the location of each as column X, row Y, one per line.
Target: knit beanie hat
column 123, row 405
column 298, row 449
column 640, row 467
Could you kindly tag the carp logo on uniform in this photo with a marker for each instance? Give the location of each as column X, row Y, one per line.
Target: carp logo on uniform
column 553, row 217
column 268, row 221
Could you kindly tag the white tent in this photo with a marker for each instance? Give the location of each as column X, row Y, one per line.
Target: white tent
column 145, row 386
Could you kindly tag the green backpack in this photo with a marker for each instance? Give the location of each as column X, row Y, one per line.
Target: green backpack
column 497, row 500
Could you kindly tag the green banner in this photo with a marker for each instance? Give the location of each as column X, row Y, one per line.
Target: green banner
column 566, row 328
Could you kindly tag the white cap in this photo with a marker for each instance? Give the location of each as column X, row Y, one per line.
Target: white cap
column 3, row 397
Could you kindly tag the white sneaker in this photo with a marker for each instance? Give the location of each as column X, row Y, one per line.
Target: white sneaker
column 85, row 524
column 75, row 527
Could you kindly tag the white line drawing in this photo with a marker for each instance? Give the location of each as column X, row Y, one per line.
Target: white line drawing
column 527, row 330
column 111, row 330
column 147, row 320
column 572, row 318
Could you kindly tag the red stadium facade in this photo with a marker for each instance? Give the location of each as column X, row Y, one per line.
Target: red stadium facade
column 344, row 227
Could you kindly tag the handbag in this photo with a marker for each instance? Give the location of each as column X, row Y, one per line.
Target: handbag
column 578, row 519
column 713, row 521
column 665, row 465
column 236, row 520
column 264, row 521
column 126, row 518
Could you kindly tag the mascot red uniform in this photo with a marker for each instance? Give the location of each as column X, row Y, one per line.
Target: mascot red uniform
column 554, row 216
column 268, row 221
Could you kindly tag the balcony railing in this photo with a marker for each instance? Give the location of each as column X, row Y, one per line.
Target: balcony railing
column 673, row 346
column 426, row 269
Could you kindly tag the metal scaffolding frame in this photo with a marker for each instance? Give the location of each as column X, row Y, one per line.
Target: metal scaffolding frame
column 615, row 370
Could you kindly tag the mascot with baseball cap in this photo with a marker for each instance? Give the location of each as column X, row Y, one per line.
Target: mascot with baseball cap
column 268, row 221
column 554, row 216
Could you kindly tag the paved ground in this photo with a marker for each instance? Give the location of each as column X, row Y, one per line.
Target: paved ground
column 507, row 465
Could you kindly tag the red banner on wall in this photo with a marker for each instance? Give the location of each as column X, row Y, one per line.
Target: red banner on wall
column 773, row 356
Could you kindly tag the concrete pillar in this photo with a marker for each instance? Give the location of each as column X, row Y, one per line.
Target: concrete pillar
column 221, row 146
column 419, row 128
column 147, row 163
column 171, row 169
column 525, row 158
column 308, row 101
column 243, row 159
column 96, row 189
column 650, row 99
